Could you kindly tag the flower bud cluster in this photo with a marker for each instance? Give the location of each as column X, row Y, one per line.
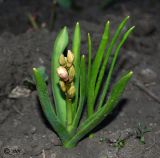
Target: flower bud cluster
column 66, row 73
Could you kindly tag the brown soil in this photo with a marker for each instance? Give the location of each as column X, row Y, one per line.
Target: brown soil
column 24, row 132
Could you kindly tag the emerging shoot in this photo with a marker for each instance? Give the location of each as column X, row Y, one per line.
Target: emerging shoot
column 76, row 86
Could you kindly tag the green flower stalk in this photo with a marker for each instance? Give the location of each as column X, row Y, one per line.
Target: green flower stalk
column 76, row 86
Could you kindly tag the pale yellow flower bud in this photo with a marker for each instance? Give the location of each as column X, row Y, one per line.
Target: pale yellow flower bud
column 71, row 73
column 62, row 86
column 68, row 64
column 71, row 92
column 62, row 60
column 70, row 56
column 62, row 73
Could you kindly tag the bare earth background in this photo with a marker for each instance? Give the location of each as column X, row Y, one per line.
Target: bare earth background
column 24, row 132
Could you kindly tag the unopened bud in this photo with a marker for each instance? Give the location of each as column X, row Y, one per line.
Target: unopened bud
column 68, row 64
column 70, row 56
column 62, row 86
column 62, row 73
column 71, row 73
column 71, row 92
column 62, row 60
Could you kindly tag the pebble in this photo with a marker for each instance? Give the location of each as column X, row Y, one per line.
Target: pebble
column 19, row 92
column 53, row 155
column 54, row 139
column 36, row 150
column 33, row 130
column 147, row 75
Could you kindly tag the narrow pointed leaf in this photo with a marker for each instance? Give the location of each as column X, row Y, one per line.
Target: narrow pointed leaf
column 60, row 44
column 108, row 53
column 95, row 68
column 76, row 51
column 99, row 116
column 82, row 92
column 89, row 58
column 101, row 50
column 106, row 87
column 47, row 106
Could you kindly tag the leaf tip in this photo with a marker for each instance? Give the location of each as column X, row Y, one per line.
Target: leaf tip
column 65, row 28
column 77, row 24
column 34, row 69
column 130, row 73
column 132, row 28
column 89, row 36
column 108, row 22
column 83, row 56
column 127, row 17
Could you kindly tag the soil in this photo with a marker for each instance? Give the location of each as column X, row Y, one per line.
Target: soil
column 24, row 132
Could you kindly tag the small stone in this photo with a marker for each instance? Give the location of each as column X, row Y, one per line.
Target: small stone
column 36, row 150
column 53, row 155
column 19, row 92
column 53, row 139
column 33, row 130
column 147, row 75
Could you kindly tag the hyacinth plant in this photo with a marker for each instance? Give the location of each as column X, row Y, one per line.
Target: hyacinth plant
column 76, row 86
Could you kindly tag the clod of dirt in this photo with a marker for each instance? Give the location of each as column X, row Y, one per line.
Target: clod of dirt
column 147, row 75
column 19, row 92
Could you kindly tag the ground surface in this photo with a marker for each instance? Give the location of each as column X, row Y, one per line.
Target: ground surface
column 24, row 133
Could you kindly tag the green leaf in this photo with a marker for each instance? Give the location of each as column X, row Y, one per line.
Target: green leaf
column 65, row 3
column 42, row 71
column 60, row 44
column 106, row 87
column 99, row 116
column 106, row 59
column 89, row 57
column 76, row 51
column 82, row 93
column 47, row 106
column 95, row 68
